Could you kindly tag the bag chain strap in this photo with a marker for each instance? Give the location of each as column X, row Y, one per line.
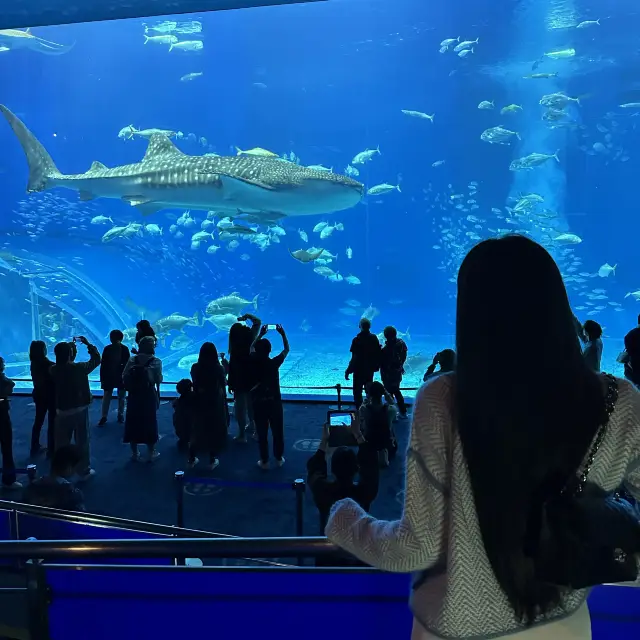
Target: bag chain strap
column 610, row 403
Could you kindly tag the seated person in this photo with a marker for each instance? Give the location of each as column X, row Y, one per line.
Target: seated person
column 183, row 408
column 376, row 422
column 345, row 465
column 55, row 490
column 447, row 361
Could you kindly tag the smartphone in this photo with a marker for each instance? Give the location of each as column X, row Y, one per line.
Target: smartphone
column 271, row 327
column 340, row 423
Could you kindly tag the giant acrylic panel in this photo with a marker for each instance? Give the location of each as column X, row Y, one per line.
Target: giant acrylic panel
column 353, row 158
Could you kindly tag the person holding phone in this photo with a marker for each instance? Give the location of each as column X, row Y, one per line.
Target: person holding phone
column 73, row 399
column 241, row 339
column 266, row 397
column 376, row 421
column 345, row 465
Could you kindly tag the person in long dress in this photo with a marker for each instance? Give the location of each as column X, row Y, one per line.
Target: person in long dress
column 210, row 424
column 142, row 378
column 488, row 447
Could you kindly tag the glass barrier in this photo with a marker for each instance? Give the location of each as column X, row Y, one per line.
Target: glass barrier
column 6, row 528
column 105, row 602
column 297, row 487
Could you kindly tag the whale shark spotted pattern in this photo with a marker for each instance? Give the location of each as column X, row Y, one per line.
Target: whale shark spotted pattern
column 168, row 178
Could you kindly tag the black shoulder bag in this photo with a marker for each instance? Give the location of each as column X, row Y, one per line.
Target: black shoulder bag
column 587, row 536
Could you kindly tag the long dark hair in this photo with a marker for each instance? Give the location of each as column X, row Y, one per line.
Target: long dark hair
column 525, row 429
column 240, row 339
column 37, row 351
column 208, row 369
column 208, row 356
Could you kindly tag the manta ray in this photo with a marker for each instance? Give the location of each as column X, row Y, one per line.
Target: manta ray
column 16, row 39
column 166, row 178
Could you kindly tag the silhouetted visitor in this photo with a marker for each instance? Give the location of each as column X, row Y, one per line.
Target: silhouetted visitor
column 241, row 337
column 630, row 357
column 6, row 431
column 365, row 360
column 376, row 422
column 445, row 359
column 593, row 347
column 73, row 399
column 183, row 412
column 266, row 397
column 392, row 359
column 345, row 466
column 56, row 490
column 144, row 330
column 44, row 397
column 209, row 432
column 489, row 449
column 114, row 359
column 142, row 378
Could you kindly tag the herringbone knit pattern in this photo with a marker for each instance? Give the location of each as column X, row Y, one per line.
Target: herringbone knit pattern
column 439, row 529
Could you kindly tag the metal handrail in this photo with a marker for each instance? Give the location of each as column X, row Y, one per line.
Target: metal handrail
column 153, row 548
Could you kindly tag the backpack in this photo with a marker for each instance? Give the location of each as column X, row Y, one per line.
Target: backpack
column 137, row 379
column 397, row 356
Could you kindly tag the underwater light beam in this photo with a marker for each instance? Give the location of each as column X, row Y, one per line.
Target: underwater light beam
column 533, row 30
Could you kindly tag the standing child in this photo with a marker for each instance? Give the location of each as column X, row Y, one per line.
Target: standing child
column 183, row 413
column 6, row 431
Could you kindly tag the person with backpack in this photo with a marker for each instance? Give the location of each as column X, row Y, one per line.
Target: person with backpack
column 392, row 359
column 376, row 422
column 142, row 378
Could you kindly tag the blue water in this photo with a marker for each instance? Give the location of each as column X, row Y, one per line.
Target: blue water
column 325, row 81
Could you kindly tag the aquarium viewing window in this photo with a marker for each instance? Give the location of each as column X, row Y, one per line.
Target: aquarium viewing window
column 37, row 13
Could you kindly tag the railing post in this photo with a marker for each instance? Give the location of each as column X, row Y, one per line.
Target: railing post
column 299, row 486
column 32, row 472
column 339, row 390
column 37, row 601
column 181, row 561
column 179, row 478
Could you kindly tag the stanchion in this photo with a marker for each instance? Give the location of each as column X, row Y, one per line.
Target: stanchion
column 299, row 486
column 179, row 478
column 339, row 392
column 32, row 472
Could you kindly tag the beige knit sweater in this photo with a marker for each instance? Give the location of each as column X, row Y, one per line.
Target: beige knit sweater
column 457, row 595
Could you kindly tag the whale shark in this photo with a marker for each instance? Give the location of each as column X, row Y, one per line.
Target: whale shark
column 16, row 39
column 167, row 178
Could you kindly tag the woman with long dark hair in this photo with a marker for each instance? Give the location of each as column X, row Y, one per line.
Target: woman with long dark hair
column 44, row 397
column 210, row 419
column 488, row 449
column 241, row 337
